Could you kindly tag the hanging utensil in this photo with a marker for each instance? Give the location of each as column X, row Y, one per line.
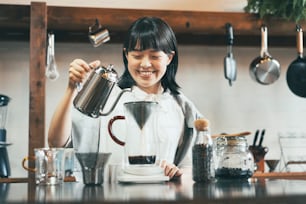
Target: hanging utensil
column 51, row 68
column 255, row 138
column 230, row 71
column 264, row 69
column 97, row 34
column 261, row 137
column 296, row 73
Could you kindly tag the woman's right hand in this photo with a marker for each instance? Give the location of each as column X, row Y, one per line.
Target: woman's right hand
column 79, row 70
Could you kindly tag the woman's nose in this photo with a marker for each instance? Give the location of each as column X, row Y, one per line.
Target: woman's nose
column 145, row 62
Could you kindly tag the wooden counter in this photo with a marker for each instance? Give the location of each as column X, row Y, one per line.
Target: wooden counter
column 267, row 188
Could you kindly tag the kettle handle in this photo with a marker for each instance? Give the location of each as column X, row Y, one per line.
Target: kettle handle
column 110, row 129
column 116, row 101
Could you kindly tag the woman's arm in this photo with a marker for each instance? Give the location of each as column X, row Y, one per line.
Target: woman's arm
column 61, row 122
column 60, row 125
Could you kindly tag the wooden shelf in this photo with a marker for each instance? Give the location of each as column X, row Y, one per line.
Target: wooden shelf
column 14, row 180
column 191, row 27
column 280, row 175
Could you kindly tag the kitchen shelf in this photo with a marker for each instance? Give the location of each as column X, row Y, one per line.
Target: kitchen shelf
column 280, row 175
column 14, row 180
column 70, row 24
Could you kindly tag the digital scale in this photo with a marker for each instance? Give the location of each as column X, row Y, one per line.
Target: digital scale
column 142, row 174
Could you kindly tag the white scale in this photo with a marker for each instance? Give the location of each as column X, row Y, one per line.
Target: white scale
column 142, row 174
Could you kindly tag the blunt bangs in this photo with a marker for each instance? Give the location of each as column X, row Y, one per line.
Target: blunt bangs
column 147, row 35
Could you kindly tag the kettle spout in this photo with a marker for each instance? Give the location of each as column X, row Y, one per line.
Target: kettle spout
column 115, row 102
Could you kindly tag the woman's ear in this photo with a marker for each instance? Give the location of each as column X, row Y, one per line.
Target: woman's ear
column 170, row 56
column 125, row 52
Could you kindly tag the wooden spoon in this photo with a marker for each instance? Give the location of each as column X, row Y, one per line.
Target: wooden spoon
column 232, row 135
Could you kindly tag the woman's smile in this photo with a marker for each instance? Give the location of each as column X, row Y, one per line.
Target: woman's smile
column 145, row 73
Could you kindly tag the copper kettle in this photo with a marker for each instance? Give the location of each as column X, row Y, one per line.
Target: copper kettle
column 95, row 92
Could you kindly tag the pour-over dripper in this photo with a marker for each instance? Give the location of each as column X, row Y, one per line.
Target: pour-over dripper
column 141, row 111
column 272, row 164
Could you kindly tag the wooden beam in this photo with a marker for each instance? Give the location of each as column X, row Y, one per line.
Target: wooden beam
column 77, row 19
column 195, row 27
column 38, row 27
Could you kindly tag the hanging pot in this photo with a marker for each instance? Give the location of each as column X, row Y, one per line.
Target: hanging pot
column 265, row 69
column 296, row 73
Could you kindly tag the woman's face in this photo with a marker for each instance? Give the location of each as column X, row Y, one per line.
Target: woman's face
column 147, row 67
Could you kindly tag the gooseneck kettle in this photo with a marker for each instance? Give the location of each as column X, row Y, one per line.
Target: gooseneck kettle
column 93, row 96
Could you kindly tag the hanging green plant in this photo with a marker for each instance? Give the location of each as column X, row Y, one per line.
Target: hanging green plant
column 291, row 10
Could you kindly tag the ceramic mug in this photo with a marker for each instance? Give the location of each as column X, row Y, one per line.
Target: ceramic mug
column 49, row 165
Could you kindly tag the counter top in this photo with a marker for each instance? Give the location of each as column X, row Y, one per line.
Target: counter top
column 255, row 190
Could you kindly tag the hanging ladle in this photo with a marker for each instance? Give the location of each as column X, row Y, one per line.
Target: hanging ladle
column 51, row 68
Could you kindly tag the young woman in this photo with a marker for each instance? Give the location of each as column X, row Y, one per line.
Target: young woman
column 150, row 58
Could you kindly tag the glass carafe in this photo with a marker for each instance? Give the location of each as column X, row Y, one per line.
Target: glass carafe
column 141, row 145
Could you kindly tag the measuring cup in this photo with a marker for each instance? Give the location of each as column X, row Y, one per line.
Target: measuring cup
column 49, row 165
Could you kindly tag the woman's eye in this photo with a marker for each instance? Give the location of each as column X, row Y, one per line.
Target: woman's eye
column 137, row 56
column 155, row 57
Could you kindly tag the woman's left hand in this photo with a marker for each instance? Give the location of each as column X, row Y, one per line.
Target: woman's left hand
column 171, row 170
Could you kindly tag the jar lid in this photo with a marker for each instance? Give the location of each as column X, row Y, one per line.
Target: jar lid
column 201, row 124
column 236, row 140
column 246, row 133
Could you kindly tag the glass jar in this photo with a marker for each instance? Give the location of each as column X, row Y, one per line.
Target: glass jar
column 233, row 158
column 202, row 153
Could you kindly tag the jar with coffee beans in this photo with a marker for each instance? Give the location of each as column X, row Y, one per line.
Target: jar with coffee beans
column 202, row 153
column 233, row 158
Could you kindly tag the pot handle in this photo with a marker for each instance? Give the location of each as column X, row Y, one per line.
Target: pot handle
column 299, row 40
column 264, row 42
column 110, row 129
column 116, row 101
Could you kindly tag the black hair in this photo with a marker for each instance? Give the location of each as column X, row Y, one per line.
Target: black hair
column 151, row 33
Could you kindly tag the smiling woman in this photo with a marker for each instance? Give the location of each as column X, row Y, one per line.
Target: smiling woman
column 150, row 46
column 150, row 58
